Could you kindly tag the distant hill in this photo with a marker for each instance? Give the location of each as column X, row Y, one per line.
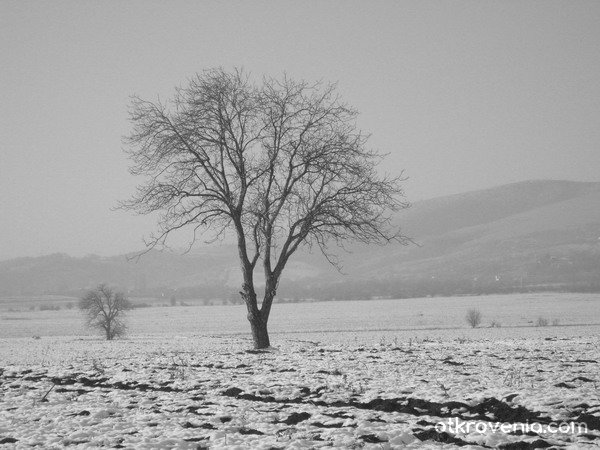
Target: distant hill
column 534, row 235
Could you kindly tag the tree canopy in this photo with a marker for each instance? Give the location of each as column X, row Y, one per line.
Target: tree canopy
column 281, row 164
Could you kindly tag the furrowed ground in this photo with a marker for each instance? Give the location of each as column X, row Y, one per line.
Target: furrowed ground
column 373, row 374
column 342, row 390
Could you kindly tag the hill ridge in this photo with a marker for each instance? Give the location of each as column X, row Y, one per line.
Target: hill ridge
column 509, row 233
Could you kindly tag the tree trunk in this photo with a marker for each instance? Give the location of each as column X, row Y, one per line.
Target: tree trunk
column 258, row 323
column 260, row 335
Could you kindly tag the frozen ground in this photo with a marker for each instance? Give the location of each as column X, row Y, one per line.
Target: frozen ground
column 352, row 388
column 379, row 315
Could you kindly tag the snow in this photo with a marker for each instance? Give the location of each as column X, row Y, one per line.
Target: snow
column 167, row 391
column 379, row 374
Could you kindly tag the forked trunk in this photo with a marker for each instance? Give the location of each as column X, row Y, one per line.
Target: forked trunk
column 258, row 323
column 260, row 335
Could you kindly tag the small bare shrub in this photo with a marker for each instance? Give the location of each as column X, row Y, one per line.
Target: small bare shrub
column 555, row 322
column 541, row 322
column 473, row 317
column 495, row 324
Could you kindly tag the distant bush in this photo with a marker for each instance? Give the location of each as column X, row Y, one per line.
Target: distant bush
column 541, row 322
column 495, row 324
column 473, row 317
column 49, row 307
column 140, row 305
column 555, row 322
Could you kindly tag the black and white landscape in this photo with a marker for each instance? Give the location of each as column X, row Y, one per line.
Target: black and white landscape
column 278, row 224
column 346, row 373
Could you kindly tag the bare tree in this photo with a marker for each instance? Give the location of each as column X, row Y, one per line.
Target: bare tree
column 473, row 317
column 104, row 309
column 281, row 164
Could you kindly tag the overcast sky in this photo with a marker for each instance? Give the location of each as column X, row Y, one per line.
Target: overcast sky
column 463, row 94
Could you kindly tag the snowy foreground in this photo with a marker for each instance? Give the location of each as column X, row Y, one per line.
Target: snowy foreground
column 166, row 391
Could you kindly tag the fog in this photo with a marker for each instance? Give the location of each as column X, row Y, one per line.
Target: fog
column 462, row 95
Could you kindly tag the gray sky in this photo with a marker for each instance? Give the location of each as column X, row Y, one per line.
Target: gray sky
column 462, row 94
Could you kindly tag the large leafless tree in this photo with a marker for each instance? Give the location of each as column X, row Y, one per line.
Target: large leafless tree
column 280, row 163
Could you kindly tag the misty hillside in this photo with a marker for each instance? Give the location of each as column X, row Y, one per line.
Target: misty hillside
column 522, row 236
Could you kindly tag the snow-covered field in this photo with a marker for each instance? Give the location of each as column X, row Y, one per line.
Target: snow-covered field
column 341, row 374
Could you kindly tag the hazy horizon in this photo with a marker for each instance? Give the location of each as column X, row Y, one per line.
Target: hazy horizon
column 463, row 95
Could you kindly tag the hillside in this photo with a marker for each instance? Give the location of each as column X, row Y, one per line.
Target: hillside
column 522, row 236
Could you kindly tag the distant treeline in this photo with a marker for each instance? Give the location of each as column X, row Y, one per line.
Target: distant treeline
column 546, row 273
column 372, row 289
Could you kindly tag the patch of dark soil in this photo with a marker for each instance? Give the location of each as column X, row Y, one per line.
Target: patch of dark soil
column 581, row 406
column 398, row 349
column 225, row 419
column 330, row 372
column 592, row 422
column 295, row 418
column 68, row 442
column 371, row 439
column 8, row 440
column 244, row 430
column 304, row 390
column 376, row 419
column 522, row 445
column 521, row 433
column 432, row 435
column 425, row 423
column 197, row 439
column 505, row 413
column 78, row 391
column 33, row 378
column 584, row 379
column 586, row 361
column 591, row 437
column 207, row 426
column 452, row 363
column 232, row 392
column 340, row 415
column 418, row 407
column 564, row 385
column 87, row 382
column 328, row 425
column 194, row 410
column 102, row 382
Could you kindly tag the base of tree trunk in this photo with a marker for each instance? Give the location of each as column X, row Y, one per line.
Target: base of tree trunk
column 260, row 335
